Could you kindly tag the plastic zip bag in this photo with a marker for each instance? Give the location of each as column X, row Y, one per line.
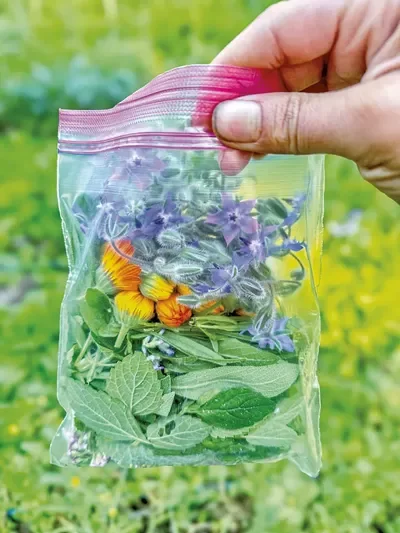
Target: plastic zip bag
column 190, row 323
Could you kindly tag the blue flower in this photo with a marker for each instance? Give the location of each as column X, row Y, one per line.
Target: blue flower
column 276, row 338
column 221, row 279
column 288, row 245
column 294, row 215
column 254, row 248
column 234, row 217
column 159, row 217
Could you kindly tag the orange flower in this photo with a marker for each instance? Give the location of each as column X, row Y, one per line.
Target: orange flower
column 133, row 308
column 172, row 313
column 243, row 312
column 207, row 305
column 132, row 304
column 183, row 290
column 117, row 269
column 156, row 287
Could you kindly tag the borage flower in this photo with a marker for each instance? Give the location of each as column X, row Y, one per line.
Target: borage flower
column 171, row 313
column 222, row 279
column 276, row 338
column 133, row 308
column 159, row 217
column 117, row 272
column 234, row 217
column 254, row 249
column 294, row 215
column 156, row 287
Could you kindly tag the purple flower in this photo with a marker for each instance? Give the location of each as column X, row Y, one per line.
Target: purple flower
column 221, row 281
column 288, row 245
column 159, row 217
column 294, row 215
column 254, row 248
column 140, row 167
column 276, row 338
column 234, row 217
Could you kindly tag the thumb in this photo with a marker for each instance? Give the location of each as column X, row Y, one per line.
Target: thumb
column 297, row 123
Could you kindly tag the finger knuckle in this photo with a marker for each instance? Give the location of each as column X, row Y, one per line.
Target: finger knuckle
column 286, row 120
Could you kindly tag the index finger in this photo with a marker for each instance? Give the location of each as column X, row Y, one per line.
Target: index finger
column 287, row 33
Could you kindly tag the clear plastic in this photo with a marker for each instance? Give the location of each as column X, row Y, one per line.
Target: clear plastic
column 190, row 324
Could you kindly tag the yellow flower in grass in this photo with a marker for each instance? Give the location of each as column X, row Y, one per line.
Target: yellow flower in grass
column 133, row 308
column 117, row 272
column 171, row 313
column 156, row 287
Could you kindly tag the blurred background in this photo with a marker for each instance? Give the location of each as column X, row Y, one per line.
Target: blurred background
column 92, row 54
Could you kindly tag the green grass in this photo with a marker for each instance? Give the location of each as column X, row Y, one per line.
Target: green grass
column 359, row 488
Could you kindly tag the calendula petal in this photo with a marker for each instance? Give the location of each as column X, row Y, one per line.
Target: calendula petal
column 171, row 313
column 123, row 274
column 134, row 304
column 156, row 287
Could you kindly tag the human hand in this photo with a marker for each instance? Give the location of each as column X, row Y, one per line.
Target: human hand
column 346, row 55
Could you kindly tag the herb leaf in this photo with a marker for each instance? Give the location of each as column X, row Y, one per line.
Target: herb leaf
column 177, row 432
column 97, row 312
column 135, row 383
column 105, row 415
column 269, row 380
column 191, row 347
column 242, row 352
column 235, row 408
column 166, row 404
column 272, row 434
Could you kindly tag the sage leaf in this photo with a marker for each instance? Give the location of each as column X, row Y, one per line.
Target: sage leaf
column 235, row 408
column 272, row 434
column 166, row 404
column 135, row 383
column 177, row 432
column 191, row 347
column 289, row 409
column 105, row 415
column 244, row 353
column 182, row 365
column 96, row 310
column 166, row 383
column 269, row 380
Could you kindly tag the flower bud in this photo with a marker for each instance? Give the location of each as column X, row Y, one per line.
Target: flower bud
column 171, row 313
column 156, row 287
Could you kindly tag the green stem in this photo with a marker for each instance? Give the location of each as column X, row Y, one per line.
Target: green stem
column 84, row 349
column 121, row 335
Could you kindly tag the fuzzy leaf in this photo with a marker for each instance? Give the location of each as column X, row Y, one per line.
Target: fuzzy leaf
column 272, row 434
column 191, row 347
column 135, row 383
column 286, row 287
column 107, row 416
column 166, row 383
column 177, row 433
column 269, row 380
column 166, row 404
column 235, row 408
column 289, row 409
column 244, row 353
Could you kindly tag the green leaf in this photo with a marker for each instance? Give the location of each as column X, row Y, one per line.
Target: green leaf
column 234, row 451
column 182, row 365
column 269, row 380
column 244, row 353
column 289, row 409
column 135, row 383
column 166, row 404
column 166, row 384
column 272, row 434
column 235, row 408
column 191, row 347
column 97, row 311
column 177, row 432
column 105, row 415
column 286, row 287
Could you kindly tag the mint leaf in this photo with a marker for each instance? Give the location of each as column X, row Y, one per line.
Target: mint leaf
column 177, row 432
column 244, row 353
column 166, row 404
column 191, row 347
column 272, row 434
column 108, row 417
column 166, row 384
column 135, row 383
column 235, row 408
column 269, row 380
column 97, row 311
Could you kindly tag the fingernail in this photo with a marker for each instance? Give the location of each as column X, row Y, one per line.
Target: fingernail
column 238, row 121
